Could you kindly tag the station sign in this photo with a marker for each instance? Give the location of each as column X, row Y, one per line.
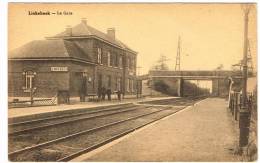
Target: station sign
column 55, row 69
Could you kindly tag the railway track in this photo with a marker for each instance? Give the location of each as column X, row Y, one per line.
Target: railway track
column 121, row 122
column 24, row 127
column 14, row 123
column 40, row 134
column 175, row 101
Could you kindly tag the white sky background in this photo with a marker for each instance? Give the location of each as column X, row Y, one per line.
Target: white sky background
column 212, row 34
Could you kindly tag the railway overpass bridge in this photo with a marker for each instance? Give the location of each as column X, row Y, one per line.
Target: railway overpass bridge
column 220, row 79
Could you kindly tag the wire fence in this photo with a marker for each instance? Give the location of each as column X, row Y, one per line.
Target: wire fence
column 16, row 103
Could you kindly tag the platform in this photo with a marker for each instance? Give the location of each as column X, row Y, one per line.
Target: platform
column 25, row 111
column 203, row 132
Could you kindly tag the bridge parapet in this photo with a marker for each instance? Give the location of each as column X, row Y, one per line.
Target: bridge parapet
column 220, row 82
column 194, row 73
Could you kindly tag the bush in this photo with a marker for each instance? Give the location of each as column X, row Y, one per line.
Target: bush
column 162, row 87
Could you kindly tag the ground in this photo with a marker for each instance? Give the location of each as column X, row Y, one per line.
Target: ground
column 204, row 132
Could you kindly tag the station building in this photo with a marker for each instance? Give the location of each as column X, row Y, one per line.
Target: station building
column 80, row 59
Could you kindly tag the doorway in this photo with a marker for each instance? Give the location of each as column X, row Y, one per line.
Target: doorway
column 99, row 81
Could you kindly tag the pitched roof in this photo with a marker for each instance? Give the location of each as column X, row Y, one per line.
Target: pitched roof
column 50, row 49
column 83, row 30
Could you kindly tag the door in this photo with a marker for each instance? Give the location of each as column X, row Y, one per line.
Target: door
column 83, row 88
column 99, row 81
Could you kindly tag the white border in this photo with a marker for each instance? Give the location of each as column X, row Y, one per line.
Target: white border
column 3, row 81
column 137, row 1
column 3, row 50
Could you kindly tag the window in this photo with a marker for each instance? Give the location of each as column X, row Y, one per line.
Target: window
column 116, row 60
column 99, row 55
column 128, row 62
column 120, row 61
column 29, row 75
column 108, row 59
column 111, row 59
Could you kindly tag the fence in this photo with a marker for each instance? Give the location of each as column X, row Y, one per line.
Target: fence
column 16, row 103
column 235, row 103
column 247, row 123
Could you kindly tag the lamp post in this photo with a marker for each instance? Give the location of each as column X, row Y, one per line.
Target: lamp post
column 138, row 83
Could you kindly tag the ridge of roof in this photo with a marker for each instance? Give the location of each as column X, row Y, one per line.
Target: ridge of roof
column 86, row 27
column 84, row 30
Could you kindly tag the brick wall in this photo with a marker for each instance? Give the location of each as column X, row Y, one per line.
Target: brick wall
column 114, row 71
column 76, row 78
column 47, row 82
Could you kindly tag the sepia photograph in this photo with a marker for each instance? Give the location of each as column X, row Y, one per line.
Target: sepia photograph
column 132, row 82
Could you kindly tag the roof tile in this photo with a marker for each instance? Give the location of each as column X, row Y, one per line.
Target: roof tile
column 82, row 30
column 50, row 49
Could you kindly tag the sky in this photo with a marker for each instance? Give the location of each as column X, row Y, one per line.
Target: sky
column 211, row 34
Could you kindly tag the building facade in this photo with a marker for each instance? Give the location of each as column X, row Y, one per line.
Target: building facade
column 79, row 60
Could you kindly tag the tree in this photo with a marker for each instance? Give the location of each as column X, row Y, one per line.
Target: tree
column 160, row 64
column 220, row 67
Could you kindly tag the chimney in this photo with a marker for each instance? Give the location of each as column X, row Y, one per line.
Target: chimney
column 84, row 21
column 69, row 30
column 111, row 32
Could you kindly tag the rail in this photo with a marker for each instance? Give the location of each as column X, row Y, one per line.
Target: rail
column 65, row 122
column 159, row 113
column 75, row 135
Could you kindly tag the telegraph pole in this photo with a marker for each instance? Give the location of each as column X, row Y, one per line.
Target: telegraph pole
column 244, row 90
column 244, row 120
column 178, row 56
column 162, row 61
column 249, row 59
